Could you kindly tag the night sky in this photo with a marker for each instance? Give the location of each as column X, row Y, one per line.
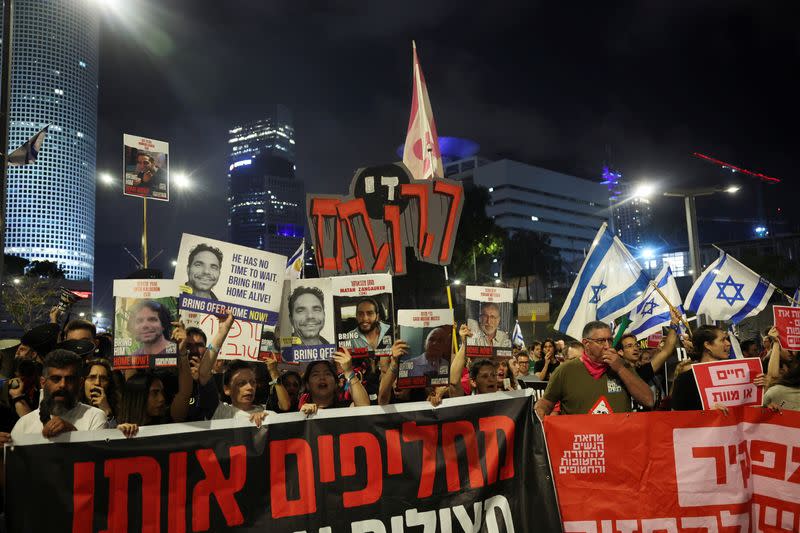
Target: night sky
column 563, row 85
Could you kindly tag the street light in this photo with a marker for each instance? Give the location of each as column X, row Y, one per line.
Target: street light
column 106, row 178
column 181, row 180
column 689, row 196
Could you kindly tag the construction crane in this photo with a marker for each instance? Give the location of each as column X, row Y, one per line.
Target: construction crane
column 762, row 229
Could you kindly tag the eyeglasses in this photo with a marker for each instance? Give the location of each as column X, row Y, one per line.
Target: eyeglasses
column 607, row 340
column 489, row 317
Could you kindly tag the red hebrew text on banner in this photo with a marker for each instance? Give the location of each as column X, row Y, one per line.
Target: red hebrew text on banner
column 385, row 213
column 689, row 471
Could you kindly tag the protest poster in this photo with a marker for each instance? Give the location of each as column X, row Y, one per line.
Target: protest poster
column 146, row 167
column 243, row 340
column 386, row 212
column 429, row 334
column 364, row 313
column 787, row 322
column 490, row 317
column 364, row 470
column 215, row 276
column 144, row 310
column 729, row 382
column 686, row 471
column 307, row 323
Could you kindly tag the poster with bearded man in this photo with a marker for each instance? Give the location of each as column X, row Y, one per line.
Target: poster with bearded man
column 364, row 314
column 489, row 317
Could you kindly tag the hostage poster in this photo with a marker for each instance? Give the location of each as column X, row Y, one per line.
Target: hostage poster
column 307, row 330
column 215, row 276
column 364, row 314
column 146, row 167
column 144, row 310
column 490, row 317
column 429, row 334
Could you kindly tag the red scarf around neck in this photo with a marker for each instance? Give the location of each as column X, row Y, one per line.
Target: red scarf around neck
column 596, row 370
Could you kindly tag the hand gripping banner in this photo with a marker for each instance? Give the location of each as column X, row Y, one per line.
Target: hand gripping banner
column 472, row 464
column 386, row 212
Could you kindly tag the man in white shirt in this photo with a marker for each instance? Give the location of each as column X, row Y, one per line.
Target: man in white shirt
column 60, row 411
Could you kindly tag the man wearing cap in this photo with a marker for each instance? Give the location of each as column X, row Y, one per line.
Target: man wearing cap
column 37, row 342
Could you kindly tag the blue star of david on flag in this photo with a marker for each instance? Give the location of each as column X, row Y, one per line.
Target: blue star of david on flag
column 649, row 306
column 723, row 294
column 595, row 299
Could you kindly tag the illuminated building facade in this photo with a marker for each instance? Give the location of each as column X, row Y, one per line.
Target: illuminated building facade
column 630, row 216
column 50, row 205
column 266, row 201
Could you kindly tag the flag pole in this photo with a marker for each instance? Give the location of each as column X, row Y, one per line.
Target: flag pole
column 672, row 307
column 777, row 289
column 450, row 305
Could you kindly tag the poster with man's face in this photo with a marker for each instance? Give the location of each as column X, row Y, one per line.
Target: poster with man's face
column 146, row 167
column 363, row 313
column 215, row 276
column 144, row 310
column 429, row 334
column 307, row 324
column 489, row 316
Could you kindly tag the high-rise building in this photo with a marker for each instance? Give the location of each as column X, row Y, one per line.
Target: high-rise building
column 266, row 201
column 51, row 204
column 568, row 209
column 630, row 215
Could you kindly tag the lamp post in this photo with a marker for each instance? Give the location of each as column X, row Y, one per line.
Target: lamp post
column 689, row 202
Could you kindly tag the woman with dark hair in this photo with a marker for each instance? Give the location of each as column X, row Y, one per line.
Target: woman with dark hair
column 143, row 403
column 291, row 382
column 785, row 392
column 322, row 389
column 709, row 344
column 548, row 363
column 100, row 389
column 504, row 372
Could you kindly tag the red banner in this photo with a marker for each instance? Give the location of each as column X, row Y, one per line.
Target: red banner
column 729, row 383
column 675, row 472
column 787, row 322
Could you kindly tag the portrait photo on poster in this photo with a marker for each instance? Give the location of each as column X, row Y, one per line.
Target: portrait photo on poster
column 490, row 318
column 306, row 321
column 429, row 334
column 144, row 311
column 146, row 168
column 364, row 313
column 217, row 276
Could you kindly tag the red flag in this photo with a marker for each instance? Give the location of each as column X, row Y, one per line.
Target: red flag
column 421, row 153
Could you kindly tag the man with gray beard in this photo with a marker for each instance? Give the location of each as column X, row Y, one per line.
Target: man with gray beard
column 60, row 411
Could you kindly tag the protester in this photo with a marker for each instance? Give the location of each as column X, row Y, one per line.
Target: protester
column 482, row 372
column 80, row 329
column 600, row 381
column 204, row 396
column 37, row 342
column 710, row 344
column 535, row 351
column 143, row 403
column 574, row 350
column 628, row 348
column 785, row 392
column 99, row 389
column 319, row 379
column 239, row 385
column 524, row 363
column 548, row 363
column 750, row 348
column 292, row 383
column 505, row 377
column 513, row 366
column 561, row 350
column 60, row 411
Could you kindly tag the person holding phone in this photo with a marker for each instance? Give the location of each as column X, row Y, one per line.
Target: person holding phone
column 99, row 388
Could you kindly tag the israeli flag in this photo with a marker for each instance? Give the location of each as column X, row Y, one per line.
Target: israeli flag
column 608, row 285
column 294, row 265
column 728, row 290
column 652, row 312
column 29, row 151
column 736, row 348
column 796, row 298
column 516, row 336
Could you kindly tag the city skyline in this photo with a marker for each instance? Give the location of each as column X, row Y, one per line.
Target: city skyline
column 546, row 86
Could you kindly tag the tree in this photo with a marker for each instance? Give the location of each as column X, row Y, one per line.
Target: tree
column 479, row 239
column 30, row 290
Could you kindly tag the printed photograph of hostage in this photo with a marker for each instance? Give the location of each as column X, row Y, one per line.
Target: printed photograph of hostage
column 307, row 315
column 371, row 333
column 150, row 325
column 203, row 270
column 489, row 318
column 430, row 367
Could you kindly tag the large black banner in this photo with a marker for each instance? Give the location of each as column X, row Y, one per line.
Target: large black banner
column 472, row 464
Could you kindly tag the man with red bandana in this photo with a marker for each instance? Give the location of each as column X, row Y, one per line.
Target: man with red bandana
column 598, row 382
